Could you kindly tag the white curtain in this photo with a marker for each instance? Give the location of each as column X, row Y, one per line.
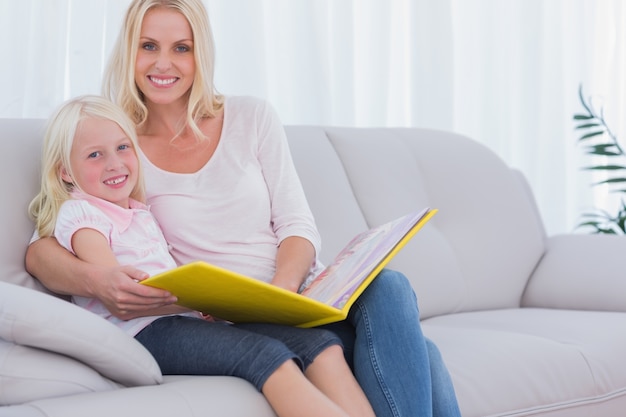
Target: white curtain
column 504, row 72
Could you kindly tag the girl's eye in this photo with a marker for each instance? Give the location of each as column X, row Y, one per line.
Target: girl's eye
column 93, row 154
column 123, row 147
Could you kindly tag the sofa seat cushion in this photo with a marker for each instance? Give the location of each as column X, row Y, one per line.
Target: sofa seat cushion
column 31, row 318
column 178, row 396
column 28, row 374
column 519, row 362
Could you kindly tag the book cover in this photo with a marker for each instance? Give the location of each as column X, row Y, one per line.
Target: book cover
column 327, row 298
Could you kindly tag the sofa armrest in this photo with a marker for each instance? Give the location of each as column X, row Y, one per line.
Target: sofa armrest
column 580, row 272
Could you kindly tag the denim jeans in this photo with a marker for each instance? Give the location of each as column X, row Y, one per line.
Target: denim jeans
column 252, row 351
column 401, row 371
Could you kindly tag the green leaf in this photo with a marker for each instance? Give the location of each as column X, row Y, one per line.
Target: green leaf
column 585, row 224
column 602, row 150
column 611, row 181
column 592, row 134
column 620, row 223
column 605, row 167
column 583, row 117
column 588, row 125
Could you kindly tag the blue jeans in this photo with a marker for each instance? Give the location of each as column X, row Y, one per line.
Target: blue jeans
column 401, row 372
column 252, row 351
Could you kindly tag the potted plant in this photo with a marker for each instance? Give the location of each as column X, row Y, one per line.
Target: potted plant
column 600, row 141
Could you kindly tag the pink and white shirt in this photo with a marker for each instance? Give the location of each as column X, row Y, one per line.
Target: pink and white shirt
column 133, row 235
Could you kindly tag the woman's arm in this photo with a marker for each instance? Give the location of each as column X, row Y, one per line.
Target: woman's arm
column 293, row 262
column 115, row 286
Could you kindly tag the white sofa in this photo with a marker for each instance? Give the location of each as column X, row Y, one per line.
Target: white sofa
column 528, row 325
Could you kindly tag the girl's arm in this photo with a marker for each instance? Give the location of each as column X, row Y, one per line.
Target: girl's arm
column 115, row 286
column 293, row 262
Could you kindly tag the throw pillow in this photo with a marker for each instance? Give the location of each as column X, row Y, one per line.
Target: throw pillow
column 32, row 318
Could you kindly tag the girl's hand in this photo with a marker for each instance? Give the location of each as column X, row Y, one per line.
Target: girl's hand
column 118, row 288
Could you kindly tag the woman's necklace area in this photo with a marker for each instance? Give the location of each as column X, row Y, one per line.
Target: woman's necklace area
column 191, row 144
column 184, row 153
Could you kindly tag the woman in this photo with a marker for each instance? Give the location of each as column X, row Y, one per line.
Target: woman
column 221, row 182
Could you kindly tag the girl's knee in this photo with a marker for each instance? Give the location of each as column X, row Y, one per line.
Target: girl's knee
column 329, row 358
column 331, row 353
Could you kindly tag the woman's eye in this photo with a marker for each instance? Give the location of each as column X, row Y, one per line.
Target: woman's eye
column 183, row 48
column 148, row 46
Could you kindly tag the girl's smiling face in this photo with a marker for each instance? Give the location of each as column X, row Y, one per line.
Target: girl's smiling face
column 165, row 66
column 103, row 161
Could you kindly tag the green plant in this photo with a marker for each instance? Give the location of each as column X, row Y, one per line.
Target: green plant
column 602, row 144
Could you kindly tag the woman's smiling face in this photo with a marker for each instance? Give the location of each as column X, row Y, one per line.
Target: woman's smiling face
column 165, row 66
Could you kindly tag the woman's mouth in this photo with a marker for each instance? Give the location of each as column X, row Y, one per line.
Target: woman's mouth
column 162, row 81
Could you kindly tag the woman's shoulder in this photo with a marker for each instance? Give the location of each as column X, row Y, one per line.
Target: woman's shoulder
column 245, row 101
column 247, row 104
column 254, row 110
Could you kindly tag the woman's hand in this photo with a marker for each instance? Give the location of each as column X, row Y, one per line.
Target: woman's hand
column 293, row 262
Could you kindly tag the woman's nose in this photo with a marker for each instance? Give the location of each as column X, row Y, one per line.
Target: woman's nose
column 163, row 62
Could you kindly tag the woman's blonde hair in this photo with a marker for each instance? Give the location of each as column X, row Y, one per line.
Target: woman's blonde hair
column 57, row 146
column 119, row 80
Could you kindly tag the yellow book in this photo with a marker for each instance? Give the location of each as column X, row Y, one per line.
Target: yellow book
column 327, row 298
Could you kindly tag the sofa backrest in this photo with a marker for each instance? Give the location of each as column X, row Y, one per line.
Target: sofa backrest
column 20, row 158
column 476, row 253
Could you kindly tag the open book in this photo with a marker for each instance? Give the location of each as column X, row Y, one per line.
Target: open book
column 327, row 298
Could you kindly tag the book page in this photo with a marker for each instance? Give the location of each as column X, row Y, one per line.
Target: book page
column 335, row 284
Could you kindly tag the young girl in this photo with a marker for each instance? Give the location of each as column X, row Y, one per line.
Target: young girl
column 91, row 200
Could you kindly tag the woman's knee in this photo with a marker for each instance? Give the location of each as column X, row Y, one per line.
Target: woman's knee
column 389, row 285
column 438, row 368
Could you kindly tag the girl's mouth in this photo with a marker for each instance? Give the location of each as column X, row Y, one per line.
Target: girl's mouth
column 116, row 180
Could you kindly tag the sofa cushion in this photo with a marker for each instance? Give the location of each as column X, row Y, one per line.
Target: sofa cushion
column 31, row 318
column 28, row 374
column 530, row 361
column 477, row 253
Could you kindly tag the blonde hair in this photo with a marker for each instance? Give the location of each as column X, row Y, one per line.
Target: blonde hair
column 57, row 146
column 119, row 80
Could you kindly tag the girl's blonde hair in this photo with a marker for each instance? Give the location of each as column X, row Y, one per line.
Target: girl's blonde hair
column 57, row 146
column 119, row 80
